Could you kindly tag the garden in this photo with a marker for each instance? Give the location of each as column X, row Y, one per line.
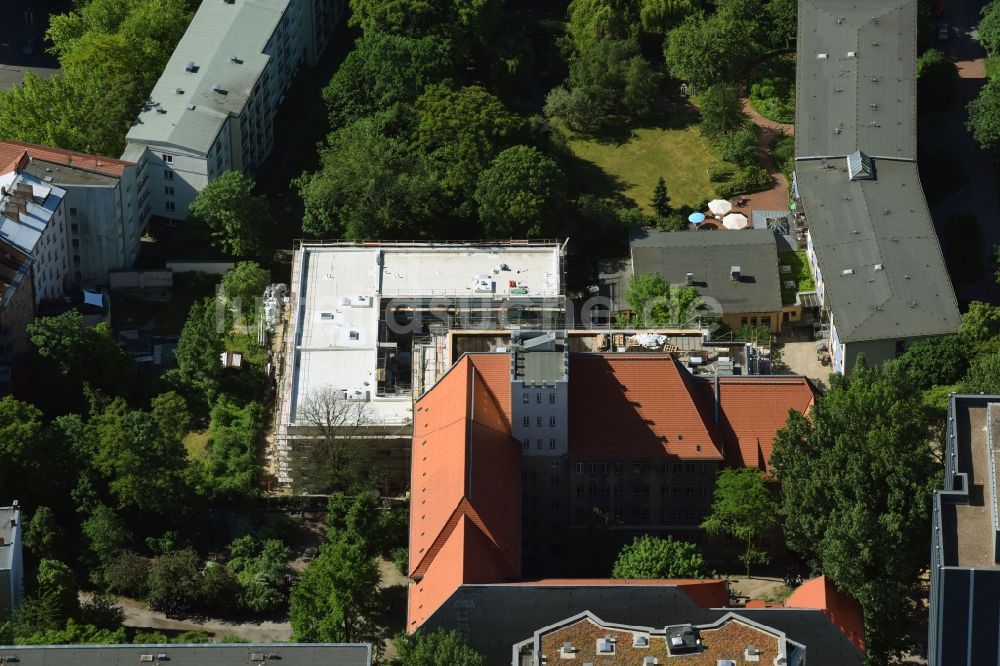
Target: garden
column 772, row 90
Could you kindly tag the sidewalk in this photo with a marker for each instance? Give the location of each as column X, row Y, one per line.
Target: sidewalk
column 775, row 198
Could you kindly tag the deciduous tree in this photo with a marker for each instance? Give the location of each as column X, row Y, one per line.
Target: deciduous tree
column 236, row 217
column 199, row 348
column 433, row 648
column 175, row 581
column 744, row 510
column 857, row 476
column 520, row 194
column 984, row 116
column 243, row 288
column 659, row 557
column 654, row 301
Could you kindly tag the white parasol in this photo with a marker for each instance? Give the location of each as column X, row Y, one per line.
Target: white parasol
column 719, row 206
column 735, row 221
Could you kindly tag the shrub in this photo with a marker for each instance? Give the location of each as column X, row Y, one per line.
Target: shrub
column 720, row 174
column 740, row 146
column 783, row 152
column 773, row 92
column 633, row 217
column 401, row 557
column 748, row 180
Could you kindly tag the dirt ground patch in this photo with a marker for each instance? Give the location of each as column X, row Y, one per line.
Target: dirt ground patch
column 801, row 359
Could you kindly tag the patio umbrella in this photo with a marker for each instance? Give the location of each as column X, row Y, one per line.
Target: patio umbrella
column 696, row 218
column 719, row 206
column 735, row 221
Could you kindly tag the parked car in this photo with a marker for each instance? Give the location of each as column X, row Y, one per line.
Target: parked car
column 942, row 32
column 29, row 46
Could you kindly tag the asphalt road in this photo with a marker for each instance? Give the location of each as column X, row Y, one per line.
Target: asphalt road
column 21, row 20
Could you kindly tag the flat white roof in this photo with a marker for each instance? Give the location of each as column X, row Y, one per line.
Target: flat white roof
column 341, row 292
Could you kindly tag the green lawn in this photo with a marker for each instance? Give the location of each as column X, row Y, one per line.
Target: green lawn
column 799, row 262
column 681, row 155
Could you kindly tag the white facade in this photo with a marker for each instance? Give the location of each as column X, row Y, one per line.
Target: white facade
column 213, row 108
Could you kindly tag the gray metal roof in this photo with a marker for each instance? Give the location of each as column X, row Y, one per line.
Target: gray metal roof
column 867, row 100
column 910, row 295
column 219, row 654
column 495, row 617
column 9, row 533
column 710, row 255
column 218, row 31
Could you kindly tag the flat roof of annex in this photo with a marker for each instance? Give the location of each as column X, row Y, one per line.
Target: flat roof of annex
column 342, row 289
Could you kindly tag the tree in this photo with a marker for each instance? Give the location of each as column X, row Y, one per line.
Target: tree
column 613, row 73
column 984, row 116
column 127, row 574
column 79, row 352
column 220, row 591
column 465, row 23
column 658, row 16
column 520, row 194
column 243, row 288
column 363, row 520
column 261, row 568
column 708, row 51
column 989, row 28
column 721, row 111
column 41, row 533
column 57, row 582
column 743, row 509
column 175, row 581
column 579, row 108
column 660, row 202
column 935, row 361
column 105, row 533
column 432, row 648
column 335, row 459
column 593, row 20
column 461, row 131
column 740, row 145
column 199, row 349
column 236, row 217
column 936, row 76
column 231, row 463
column 980, row 323
column 655, row 557
column 857, row 477
column 383, row 71
column 654, row 301
column 371, row 186
column 984, row 374
column 336, row 598
column 74, row 633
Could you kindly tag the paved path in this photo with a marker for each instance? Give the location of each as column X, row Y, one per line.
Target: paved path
column 775, row 198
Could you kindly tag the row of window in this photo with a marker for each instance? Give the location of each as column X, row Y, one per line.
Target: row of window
column 752, row 321
column 526, row 398
column 641, row 467
column 641, row 514
column 617, row 490
column 538, row 443
column 538, row 421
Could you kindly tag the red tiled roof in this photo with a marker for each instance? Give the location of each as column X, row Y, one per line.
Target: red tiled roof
column 843, row 611
column 465, row 504
column 11, row 150
column 752, row 410
column 636, row 405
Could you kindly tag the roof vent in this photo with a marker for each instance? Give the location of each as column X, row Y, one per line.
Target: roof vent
column 878, row 267
column 161, row 110
column 852, row 54
column 689, row 279
column 190, row 107
column 179, row 91
column 216, row 88
column 191, row 67
column 235, row 58
column 734, row 272
column 821, row 56
column 847, row 271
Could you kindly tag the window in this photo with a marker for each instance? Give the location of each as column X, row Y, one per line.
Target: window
column 74, row 227
column 753, row 321
column 76, row 243
column 703, row 491
column 554, row 480
column 555, row 503
column 538, row 421
column 169, row 159
column 677, row 491
column 72, row 211
column 690, row 491
column 552, row 443
column 552, row 398
column 690, row 468
column 168, row 190
column 765, row 321
column 524, row 398
column 645, row 491
column 743, row 321
column 168, row 174
column 592, row 468
column 579, row 468
column 527, row 444
column 605, row 491
column 618, row 468
column 664, row 491
column 527, row 421
column 677, row 468
column 538, row 445
column 703, row 468
column 605, row 468
column 552, row 422
column 579, row 491
column 618, row 490
column 538, row 398
column 592, row 490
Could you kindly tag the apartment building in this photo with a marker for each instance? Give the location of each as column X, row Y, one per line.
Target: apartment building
column 214, row 106
column 11, row 561
column 17, row 309
column 731, row 639
column 872, row 247
column 101, row 202
column 356, row 312
column 33, row 222
column 965, row 558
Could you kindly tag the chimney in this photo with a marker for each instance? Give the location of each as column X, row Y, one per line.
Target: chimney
column 689, row 279
column 734, row 273
column 716, row 405
column 11, row 211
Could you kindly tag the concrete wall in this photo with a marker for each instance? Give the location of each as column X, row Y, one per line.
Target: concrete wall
column 52, row 268
column 539, row 405
column 97, row 232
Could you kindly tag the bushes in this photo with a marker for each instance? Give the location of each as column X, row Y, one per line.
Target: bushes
column 720, row 174
column 748, row 180
column 740, row 146
column 783, row 152
column 772, row 93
